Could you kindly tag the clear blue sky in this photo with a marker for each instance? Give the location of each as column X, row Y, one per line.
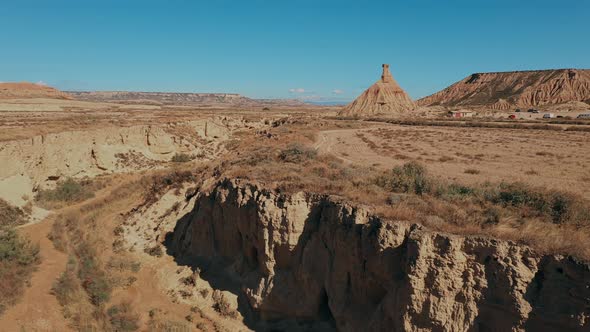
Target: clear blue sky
column 312, row 49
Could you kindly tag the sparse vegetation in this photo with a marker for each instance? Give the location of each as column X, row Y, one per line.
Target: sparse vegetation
column 67, row 285
column 123, row 318
column 155, row 250
column 18, row 260
column 154, row 186
column 473, row 123
column 65, row 192
column 182, row 158
column 11, row 216
column 407, row 192
column 409, row 178
column 204, row 292
column 472, row 171
column 222, row 306
column 84, row 288
column 297, row 153
column 169, row 326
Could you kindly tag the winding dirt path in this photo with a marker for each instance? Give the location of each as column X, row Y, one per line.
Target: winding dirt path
column 38, row 309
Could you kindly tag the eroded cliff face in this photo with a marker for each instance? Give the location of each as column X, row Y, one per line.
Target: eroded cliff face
column 312, row 258
column 506, row 90
column 42, row 160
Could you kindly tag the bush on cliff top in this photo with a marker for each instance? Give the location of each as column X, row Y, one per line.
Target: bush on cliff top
column 409, row 178
column 68, row 191
column 558, row 207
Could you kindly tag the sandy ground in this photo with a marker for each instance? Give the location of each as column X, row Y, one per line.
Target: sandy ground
column 21, row 119
column 38, row 309
column 557, row 160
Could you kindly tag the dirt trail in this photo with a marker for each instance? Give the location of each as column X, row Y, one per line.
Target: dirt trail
column 38, row 309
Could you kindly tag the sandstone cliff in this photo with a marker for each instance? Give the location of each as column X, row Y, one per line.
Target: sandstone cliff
column 506, row 90
column 30, row 90
column 383, row 97
column 311, row 258
column 40, row 161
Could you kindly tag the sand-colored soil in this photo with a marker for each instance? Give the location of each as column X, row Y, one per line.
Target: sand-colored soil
column 558, row 160
column 38, row 309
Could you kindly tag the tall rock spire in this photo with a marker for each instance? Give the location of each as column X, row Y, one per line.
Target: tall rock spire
column 383, row 97
column 386, row 77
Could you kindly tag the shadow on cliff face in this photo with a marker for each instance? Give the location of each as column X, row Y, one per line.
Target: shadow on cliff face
column 309, row 262
column 297, row 263
column 237, row 267
column 212, row 269
column 557, row 291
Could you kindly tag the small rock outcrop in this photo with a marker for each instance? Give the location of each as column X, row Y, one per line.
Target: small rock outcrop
column 382, row 98
column 506, row 90
column 311, row 258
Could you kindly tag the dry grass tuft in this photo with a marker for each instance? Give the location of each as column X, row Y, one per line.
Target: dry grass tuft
column 18, row 259
column 67, row 192
column 12, row 216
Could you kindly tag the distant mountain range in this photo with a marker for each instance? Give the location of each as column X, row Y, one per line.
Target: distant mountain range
column 181, row 98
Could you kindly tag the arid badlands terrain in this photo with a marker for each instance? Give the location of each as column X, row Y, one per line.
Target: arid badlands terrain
column 137, row 211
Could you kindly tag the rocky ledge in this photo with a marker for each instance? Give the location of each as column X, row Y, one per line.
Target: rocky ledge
column 315, row 259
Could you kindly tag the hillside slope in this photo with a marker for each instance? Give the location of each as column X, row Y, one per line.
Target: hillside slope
column 505, row 90
column 30, row 90
column 383, row 97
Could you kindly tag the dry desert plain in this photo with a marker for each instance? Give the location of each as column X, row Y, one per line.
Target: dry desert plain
column 185, row 218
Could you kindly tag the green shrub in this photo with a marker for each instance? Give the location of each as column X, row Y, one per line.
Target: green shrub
column 409, row 178
column 181, row 158
column 14, row 248
column 66, row 191
column 66, row 286
column 94, row 280
column 450, row 191
column 554, row 206
column 297, row 153
column 558, row 206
